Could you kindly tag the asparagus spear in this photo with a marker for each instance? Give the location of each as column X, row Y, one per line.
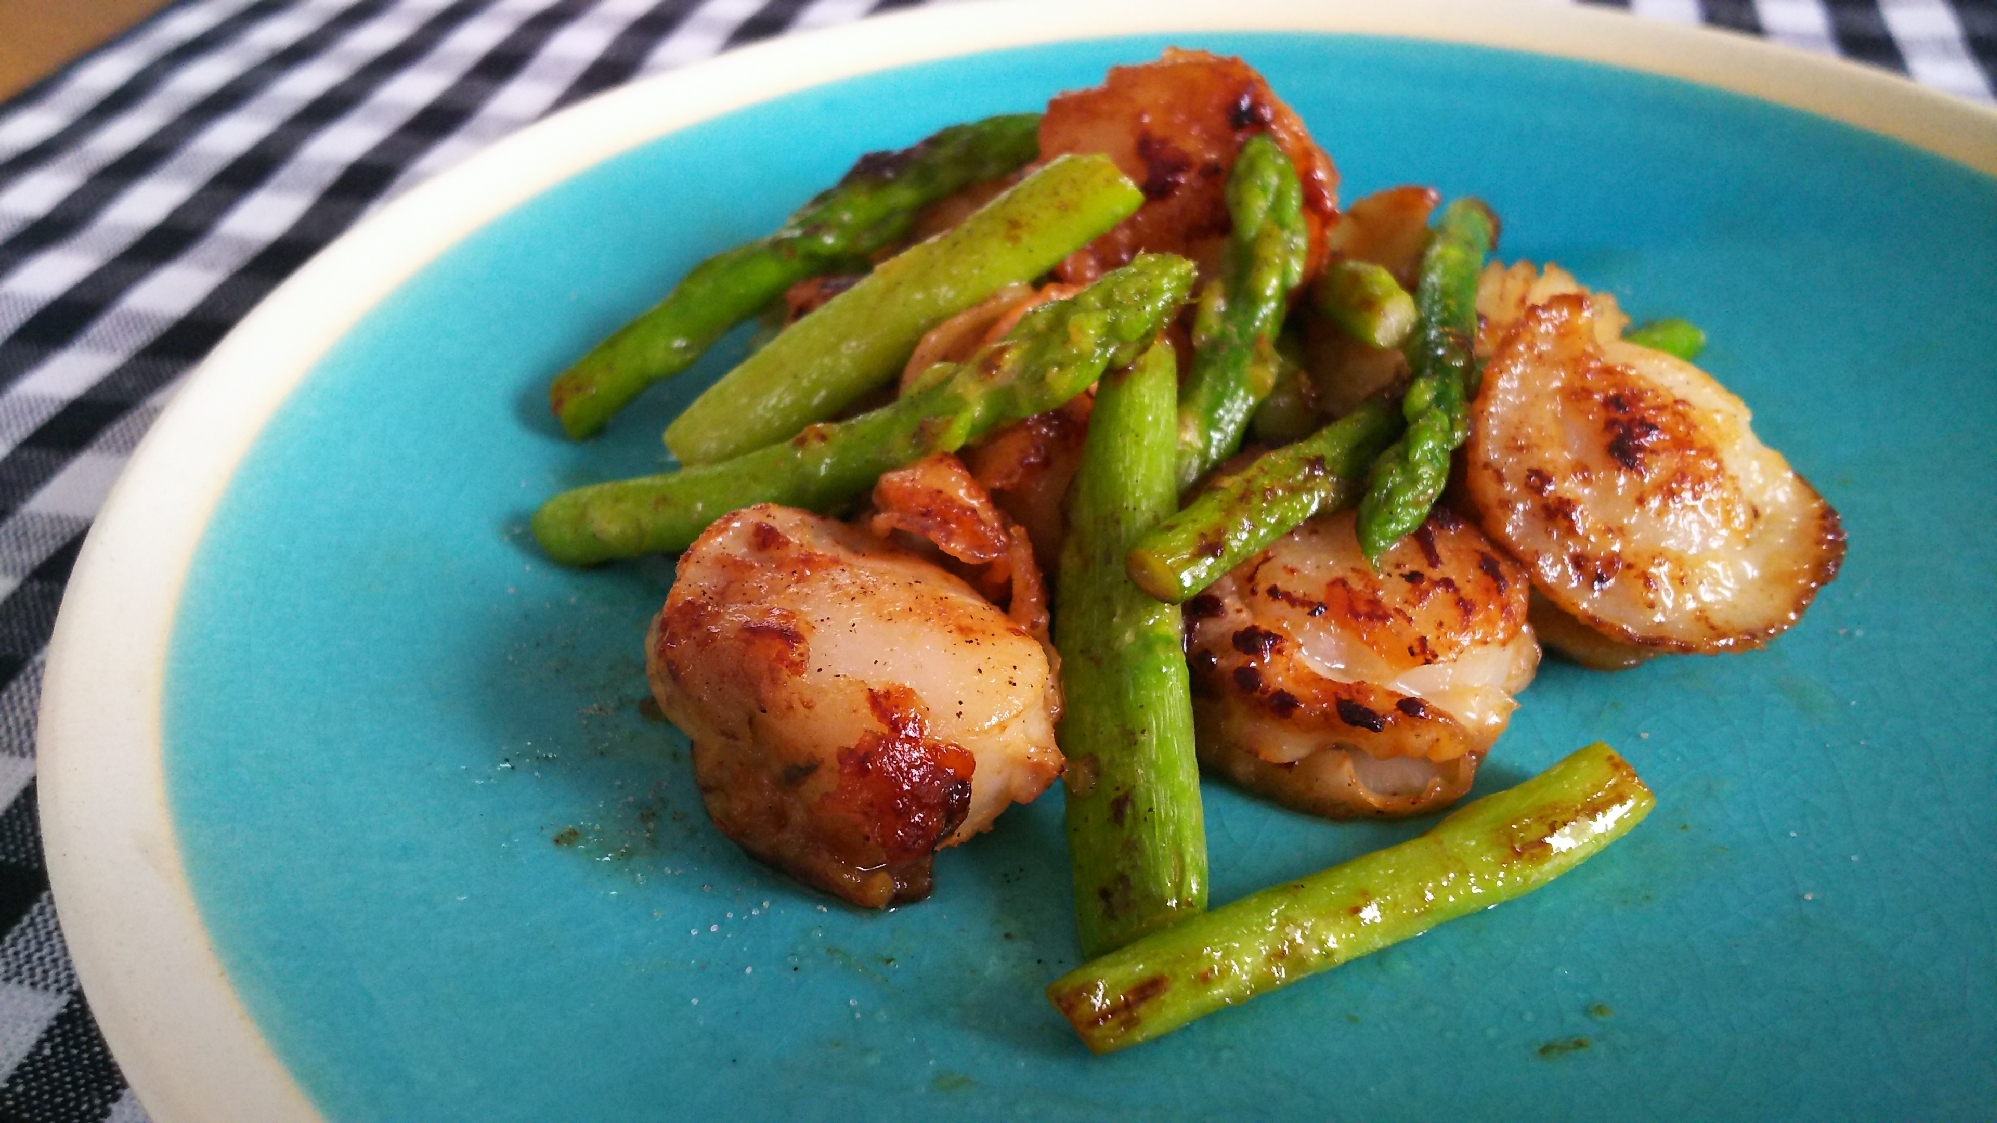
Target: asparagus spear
column 871, row 207
column 1411, row 473
column 1365, row 300
column 859, row 340
column 1054, row 353
column 1242, row 309
column 1244, row 512
column 1678, row 338
column 1290, row 412
column 1136, row 833
column 1500, row 847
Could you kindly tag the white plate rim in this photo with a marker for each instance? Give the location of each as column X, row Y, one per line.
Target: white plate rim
column 158, row 990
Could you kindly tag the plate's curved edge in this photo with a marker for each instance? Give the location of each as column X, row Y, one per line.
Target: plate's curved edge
column 187, row 1046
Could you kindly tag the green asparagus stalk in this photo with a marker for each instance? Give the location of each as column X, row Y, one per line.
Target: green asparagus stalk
column 871, row 208
column 1242, row 513
column 1054, row 353
column 1365, row 300
column 1290, row 412
column 858, row 341
column 1498, row 848
column 1136, row 832
column 1242, row 310
column 1678, row 338
column 1408, row 476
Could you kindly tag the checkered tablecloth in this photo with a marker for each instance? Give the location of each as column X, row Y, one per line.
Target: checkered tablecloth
column 154, row 191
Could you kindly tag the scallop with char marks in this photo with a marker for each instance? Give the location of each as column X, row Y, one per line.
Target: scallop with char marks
column 1631, row 486
column 1175, row 126
column 853, row 708
column 1342, row 691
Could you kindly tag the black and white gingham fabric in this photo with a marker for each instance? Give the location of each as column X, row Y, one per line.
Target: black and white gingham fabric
column 154, row 191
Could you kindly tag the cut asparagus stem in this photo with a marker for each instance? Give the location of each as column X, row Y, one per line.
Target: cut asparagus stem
column 1238, row 515
column 1485, row 853
column 872, row 207
column 1054, row 353
column 1136, row 833
column 858, row 341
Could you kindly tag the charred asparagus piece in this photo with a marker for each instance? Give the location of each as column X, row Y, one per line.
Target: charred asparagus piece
column 1487, row 852
column 1238, row 515
column 1054, row 353
column 1136, row 832
column 1411, row 473
column 859, row 340
column 1242, row 310
column 871, row 208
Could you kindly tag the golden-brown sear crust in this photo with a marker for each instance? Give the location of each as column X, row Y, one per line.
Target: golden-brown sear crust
column 937, row 500
column 783, row 807
column 900, row 792
column 852, row 708
column 1027, row 467
column 1437, row 592
column 1174, row 126
column 1370, row 718
column 1328, row 687
column 1633, row 489
column 1504, row 292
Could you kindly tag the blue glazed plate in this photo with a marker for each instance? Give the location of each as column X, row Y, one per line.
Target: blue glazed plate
column 353, row 813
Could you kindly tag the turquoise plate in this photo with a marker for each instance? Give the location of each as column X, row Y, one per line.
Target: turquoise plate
column 452, row 871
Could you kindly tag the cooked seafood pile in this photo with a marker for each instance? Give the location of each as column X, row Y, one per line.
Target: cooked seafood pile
column 1101, row 443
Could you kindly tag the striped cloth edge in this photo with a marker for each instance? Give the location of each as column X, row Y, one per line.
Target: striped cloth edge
column 154, row 191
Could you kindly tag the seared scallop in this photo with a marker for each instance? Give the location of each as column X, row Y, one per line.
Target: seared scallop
column 1505, row 292
column 853, row 708
column 937, row 502
column 1175, row 126
column 1341, row 691
column 1633, row 489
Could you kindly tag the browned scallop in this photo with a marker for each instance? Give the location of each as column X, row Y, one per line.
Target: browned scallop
column 1559, row 632
column 1341, row 691
column 1505, row 292
column 1388, row 228
column 937, row 501
column 853, row 708
column 1174, row 126
column 1633, row 489
column 1027, row 467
